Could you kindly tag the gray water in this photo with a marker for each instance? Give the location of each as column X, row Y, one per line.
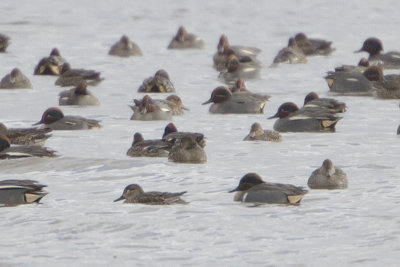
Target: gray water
column 78, row 224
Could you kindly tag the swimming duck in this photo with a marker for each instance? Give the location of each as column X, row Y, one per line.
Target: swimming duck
column 349, row 83
column 4, row 42
column 25, row 136
column 252, row 188
column 235, row 70
column 159, row 83
column 311, row 47
column 15, row 80
column 387, row 86
column 16, row 192
column 133, row 193
column 291, row 54
column 146, row 110
column 22, row 151
column 125, row 48
column 148, row 148
column 243, row 53
column 327, row 177
column 72, row 77
column 258, row 133
column 313, row 100
column 54, row 119
column 239, row 86
column 185, row 40
column 187, row 150
column 173, row 103
column 363, row 64
column 79, row 96
column 293, row 119
column 241, row 102
column 373, row 46
column 51, row 65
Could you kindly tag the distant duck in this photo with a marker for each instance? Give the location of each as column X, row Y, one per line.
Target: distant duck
column 327, row 177
column 147, row 109
column 258, row 133
column 187, row 150
column 148, row 148
column 54, row 119
column 362, row 65
column 313, row 100
column 240, row 103
column 291, row 54
column 78, row 96
column 51, row 65
column 252, row 188
column 349, row 83
column 16, row 192
column 72, row 77
column 125, row 48
column 239, row 86
column 387, row 86
column 373, row 46
column 4, row 42
column 311, row 47
column 159, row 83
column 15, row 80
column 173, row 103
column 185, row 40
column 245, row 54
column 22, row 151
column 25, row 136
column 133, row 193
column 293, row 119
column 236, row 70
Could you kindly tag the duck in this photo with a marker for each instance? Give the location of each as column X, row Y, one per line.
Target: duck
column 258, row 133
column 51, row 65
column 78, row 96
column 291, row 54
column 312, row 47
column 159, row 83
column 134, row 193
column 349, row 83
column 22, row 151
column 293, row 119
column 362, row 65
column 173, row 103
column 148, row 148
column 147, row 110
column 312, row 99
column 187, row 150
column 373, row 46
column 328, row 177
column 53, row 118
column 125, row 48
column 243, row 53
column 25, row 136
column 15, row 80
column 72, row 77
column 4, row 42
column 253, row 189
column 171, row 134
column 235, row 70
column 387, row 86
column 17, row 192
column 240, row 103
column 185, row 40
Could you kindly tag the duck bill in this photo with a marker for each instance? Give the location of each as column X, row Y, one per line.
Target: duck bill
column 207, row 102
column 359, row 50
column 234, row 190
column 37, row 123
column 120, row 198
column 185, row 108
column 274, row 116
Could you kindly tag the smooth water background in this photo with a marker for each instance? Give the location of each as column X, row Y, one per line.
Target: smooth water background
column 79, row 225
